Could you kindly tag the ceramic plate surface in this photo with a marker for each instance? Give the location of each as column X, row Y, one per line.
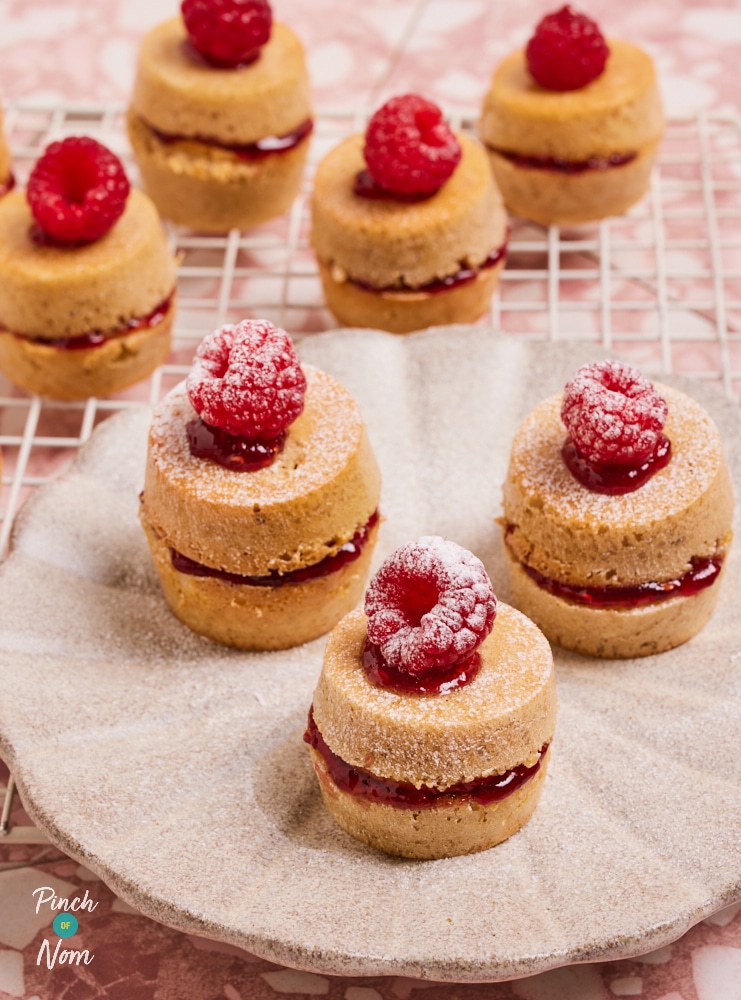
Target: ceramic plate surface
column 176, row 770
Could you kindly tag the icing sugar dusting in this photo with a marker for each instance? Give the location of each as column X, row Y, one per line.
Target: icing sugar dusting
column 318, row 446
column 247, row 380
column 209, row 725
column 429, row 606
column 506, row 713
column 696, row 455
column 613, row 413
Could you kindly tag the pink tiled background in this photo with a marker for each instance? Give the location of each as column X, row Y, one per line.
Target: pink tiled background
column 77, row 50
column 447, row 49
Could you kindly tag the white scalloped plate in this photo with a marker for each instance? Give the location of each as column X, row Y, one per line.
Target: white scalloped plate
column 176, row 771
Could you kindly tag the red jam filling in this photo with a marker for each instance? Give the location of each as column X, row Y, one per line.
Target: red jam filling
column 95, row 338
column 461, row 277
column 703, row 573
column 7, row 185
column 365, row 785
column 366, row 187
column 199, row 57
column 382, row 675
column 555, row 163
column 234, row 453
column 250, row 151
column 43, row 239
column 615, row 479
column 348, row 553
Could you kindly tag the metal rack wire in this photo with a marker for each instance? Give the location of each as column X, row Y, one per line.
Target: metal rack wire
column 661, row 285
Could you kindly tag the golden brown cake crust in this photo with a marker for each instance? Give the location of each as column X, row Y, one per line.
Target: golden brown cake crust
column 403, row 312
column 612, row 632
column 499, row 720
column 212, row 189
column 260, row 618
column 555, row 197
column 120, row 361
column 388, row 243
column 443, row 831
column 577, row 536
column 48, row 292
column 619, row 112
column 318, row 492
column 179, row 93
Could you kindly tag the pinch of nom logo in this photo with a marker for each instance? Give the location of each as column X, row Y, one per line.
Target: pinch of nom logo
column 64, row 925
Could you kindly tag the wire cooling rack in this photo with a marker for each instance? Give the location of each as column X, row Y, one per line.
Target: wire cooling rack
column 661, row 285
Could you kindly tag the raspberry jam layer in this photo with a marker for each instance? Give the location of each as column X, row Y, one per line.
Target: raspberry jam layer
column 615, row 480
column 234, row 453
column 95, row 338
column 382, row 675
column 366, row 187
column 557, row 165
column 462, row 277
column 202, row 59
column 348, row 553
column 365, row 785
column 250, row 151
column 703, row 573
column 44, row 239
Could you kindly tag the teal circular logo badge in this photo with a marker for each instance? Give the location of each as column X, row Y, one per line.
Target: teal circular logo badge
column 65, row 925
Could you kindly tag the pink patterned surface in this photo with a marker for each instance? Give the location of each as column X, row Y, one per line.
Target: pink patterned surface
column 446, row 49
column 76, row 50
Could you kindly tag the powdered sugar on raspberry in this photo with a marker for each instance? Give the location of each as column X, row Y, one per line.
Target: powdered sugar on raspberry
column 613, row 413
column 247, row 380
column 429, row 606
column 304, row 466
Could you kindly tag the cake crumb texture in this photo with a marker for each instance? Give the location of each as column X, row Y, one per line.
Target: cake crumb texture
column 50, row 292
column 392, row 244
column 322, row 487
column 499, row 720
column 180, row 94
column 619, row 112
column 578, row 536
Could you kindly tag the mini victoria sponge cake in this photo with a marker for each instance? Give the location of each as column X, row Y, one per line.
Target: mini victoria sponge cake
column 84, row 320
column 428, row 775
column 220, row 147
column 626, row 575
column 274, row 557
column 398, row 265
column 567, row 157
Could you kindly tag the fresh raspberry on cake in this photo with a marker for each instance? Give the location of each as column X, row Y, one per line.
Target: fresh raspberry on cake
column 613, row 414
column 77, row 190
column 228, row 32
column 429, row 606
column 567, row 51
column 247, row 380
column 409, row 149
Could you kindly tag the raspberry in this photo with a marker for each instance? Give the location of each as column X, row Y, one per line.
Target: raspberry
column 567, row 51
column 247, row 380
column 408, row 147
column 77, row 190
column 228, row 32
column 613, row 414
column 429, row 606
